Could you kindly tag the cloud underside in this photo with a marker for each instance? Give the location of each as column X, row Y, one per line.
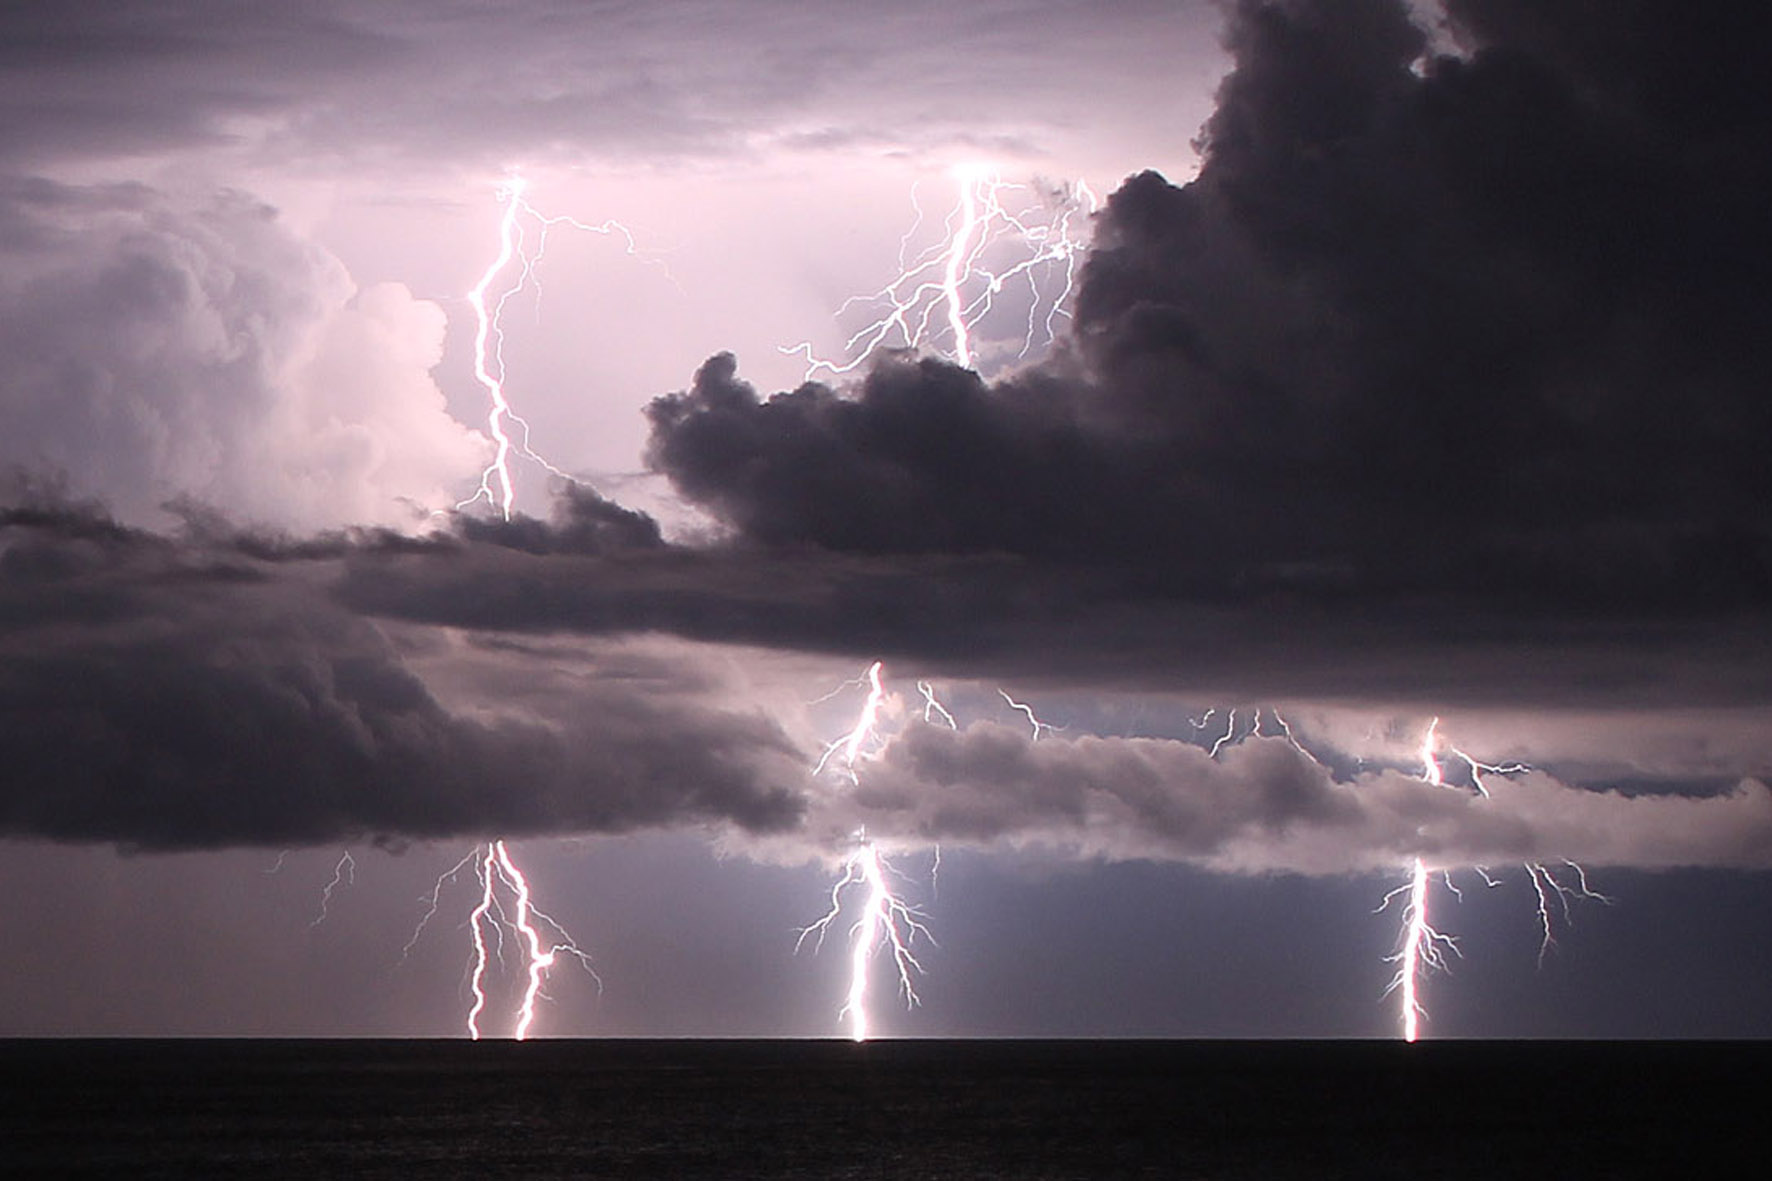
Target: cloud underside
column 192, row 694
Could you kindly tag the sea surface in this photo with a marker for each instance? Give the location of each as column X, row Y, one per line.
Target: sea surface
column 912, row 1109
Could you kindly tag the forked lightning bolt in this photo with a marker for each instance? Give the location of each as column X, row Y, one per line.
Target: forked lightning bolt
column 997, row 233
column 493, row 866
column 885, row 921
column 1422, row 948
column 849, row 747
column 516, row 257
column 1421, row 945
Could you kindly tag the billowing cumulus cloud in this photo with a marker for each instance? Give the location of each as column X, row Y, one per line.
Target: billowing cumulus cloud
column 1484, row 328
column 154, row 349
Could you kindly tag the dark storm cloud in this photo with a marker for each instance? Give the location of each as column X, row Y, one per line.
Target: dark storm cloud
column 223, row 689
column 172, row 695
column 1486, row 329
column 1444, row 380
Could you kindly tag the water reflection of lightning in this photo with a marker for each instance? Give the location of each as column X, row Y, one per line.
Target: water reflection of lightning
column 510, row 432
column 997, row 233
column 493, row 866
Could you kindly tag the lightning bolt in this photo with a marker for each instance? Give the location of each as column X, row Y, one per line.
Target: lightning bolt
column 997, row 233
column 863, row 731
column 1027, row 711
column 1421, row 948
column 493, row 866
column 1545, row 886
column 933, row 709
column 509, row 430
column 345, row 870
column 1430, row 763
column 1420, row 944
column 885, row 921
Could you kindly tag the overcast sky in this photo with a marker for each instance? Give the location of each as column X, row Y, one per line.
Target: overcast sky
column 1372, row 475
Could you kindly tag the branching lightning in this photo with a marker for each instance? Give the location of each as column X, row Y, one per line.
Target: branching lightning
column 851, row 744
column 997, row 233
column 1421, row 945
column 933, row 709
column 493, row 866
column 885, row 920
column 1422, row 948
column 509, row 430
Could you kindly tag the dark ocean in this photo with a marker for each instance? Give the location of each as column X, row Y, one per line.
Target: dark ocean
column 829, row 1109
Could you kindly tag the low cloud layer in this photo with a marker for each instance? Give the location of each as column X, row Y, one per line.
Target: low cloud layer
column 212, row 691
column 166, row 695
column 1264, row 805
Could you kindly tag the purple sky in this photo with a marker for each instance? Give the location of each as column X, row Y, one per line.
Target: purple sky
column 1417, row 372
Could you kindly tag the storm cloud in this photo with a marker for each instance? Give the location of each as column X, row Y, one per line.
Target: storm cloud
column 1442, row 382
column 1485, row 328
column 171, row 695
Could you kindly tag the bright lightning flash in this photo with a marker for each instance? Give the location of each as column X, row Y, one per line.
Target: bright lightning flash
column 493, row 866
column 996, row 234
column 1421, row 949
column 510, row 432
column 1420, row 945
column 885, row 921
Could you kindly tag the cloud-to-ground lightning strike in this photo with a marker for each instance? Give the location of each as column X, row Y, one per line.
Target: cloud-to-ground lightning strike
column 997, row 233
column 509, row 430
column 1421, row 948
column 493, row 866
column 1420, row 944
column 885, row 919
